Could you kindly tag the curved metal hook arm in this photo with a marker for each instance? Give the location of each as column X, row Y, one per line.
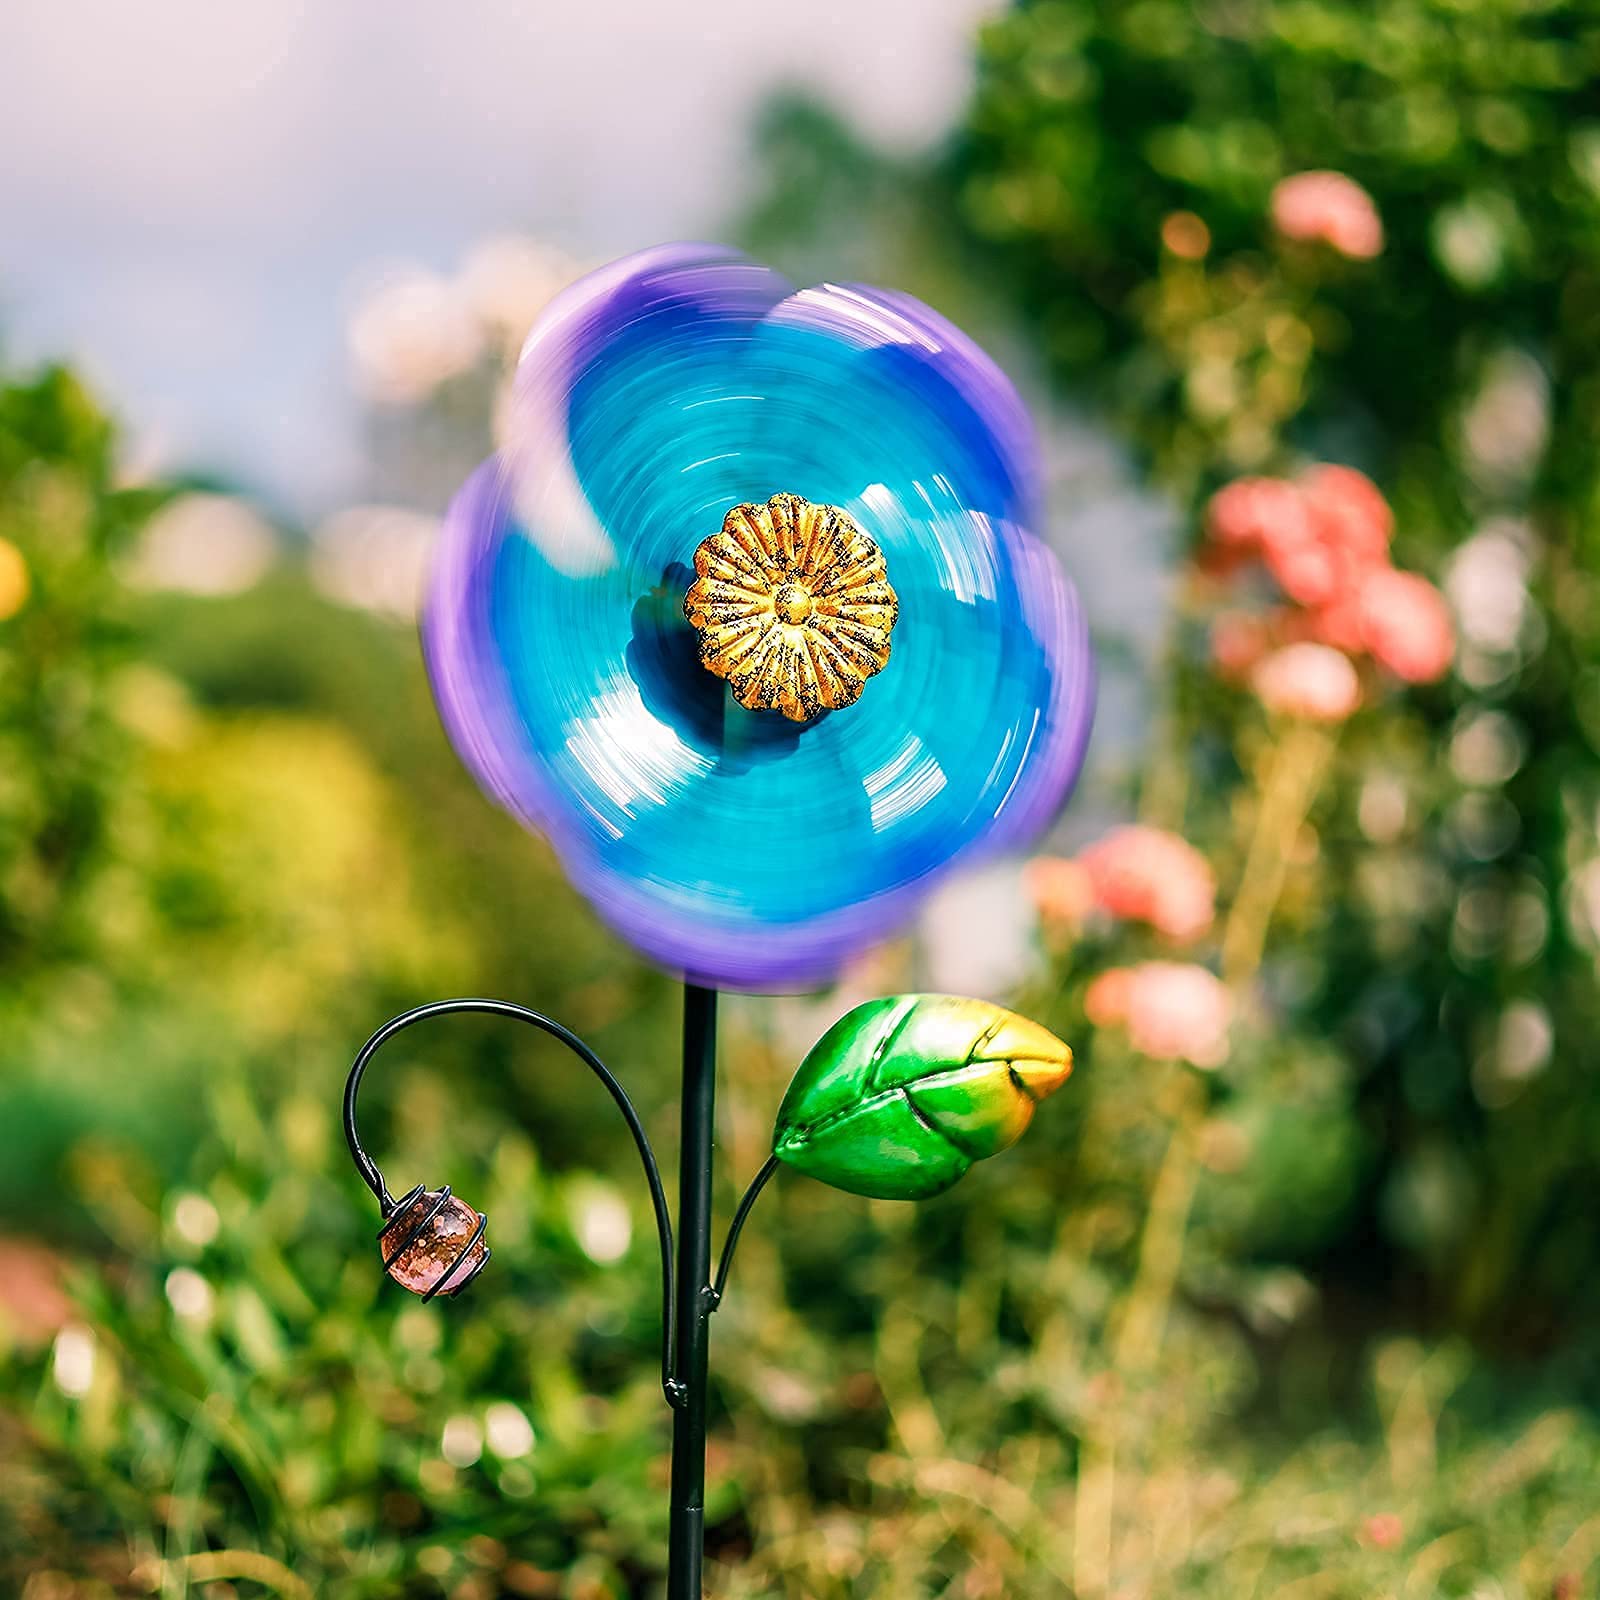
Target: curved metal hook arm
column 373, row 1178
column 736, row 1227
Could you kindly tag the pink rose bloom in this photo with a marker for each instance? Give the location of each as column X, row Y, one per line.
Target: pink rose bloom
column 1406, row 625
column 1318, row 536
column 1339, row 623
column 1244, row 514
column 1173, row 1010
column 1061, row 890
column 1105, row 1001
column 1307, row 570
column 1349, row 512
column 1331, row 209
column 1343, row 532
column 1149, row 875
column 1311, row 681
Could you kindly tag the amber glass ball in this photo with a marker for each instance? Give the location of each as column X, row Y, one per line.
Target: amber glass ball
column 445, row 1254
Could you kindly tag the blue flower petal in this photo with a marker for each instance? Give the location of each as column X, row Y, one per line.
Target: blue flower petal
column 737, row 847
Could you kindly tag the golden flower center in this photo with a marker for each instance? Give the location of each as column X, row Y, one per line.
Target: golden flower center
column 793, row 606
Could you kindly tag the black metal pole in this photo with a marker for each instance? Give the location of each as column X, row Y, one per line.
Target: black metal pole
column 696, row 1300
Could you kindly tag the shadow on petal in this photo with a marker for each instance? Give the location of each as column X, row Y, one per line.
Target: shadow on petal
column 663, row 659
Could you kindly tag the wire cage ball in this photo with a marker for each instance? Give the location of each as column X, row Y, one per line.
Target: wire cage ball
column 432, row 1243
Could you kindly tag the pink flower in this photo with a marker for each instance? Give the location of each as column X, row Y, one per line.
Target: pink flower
column 1383, row 1531
column 1105, row 1001
column 1306, row 569
column 1342, row 534
column 1312, row 681
column 1149, row 875
column 1061, row 890
column 1329, row 208
column 1244, row 514
column 1173, row 1010
column 1406, row 625
column 1338, row 623
column 1318, row 535
column 1349, row 512
column 1325, row 539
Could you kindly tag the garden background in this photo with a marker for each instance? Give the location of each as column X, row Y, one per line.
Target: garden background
column 1292, row 1291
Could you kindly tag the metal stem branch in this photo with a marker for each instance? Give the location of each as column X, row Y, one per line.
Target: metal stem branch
column 695, row 1297
column 373, row 1178
column 736, row 1227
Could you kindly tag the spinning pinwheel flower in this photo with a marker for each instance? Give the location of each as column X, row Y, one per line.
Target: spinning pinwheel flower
column 746, row 615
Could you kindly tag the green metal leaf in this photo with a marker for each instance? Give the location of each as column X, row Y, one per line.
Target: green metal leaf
column 900, row 1096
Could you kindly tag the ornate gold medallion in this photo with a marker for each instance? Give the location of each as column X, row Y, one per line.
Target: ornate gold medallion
column 793, row 606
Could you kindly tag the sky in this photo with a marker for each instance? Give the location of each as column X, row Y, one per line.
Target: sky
column 193, row 193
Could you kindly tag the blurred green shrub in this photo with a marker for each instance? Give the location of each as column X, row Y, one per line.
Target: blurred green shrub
column 62, row 521
column 1120, row 168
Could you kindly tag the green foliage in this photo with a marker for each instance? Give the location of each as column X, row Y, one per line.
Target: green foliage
column 251, row 1380
column 1120, row 163
column 1471, row 125
column 62, row 521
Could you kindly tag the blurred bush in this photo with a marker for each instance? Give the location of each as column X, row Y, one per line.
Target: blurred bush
column 63, row 746
column 1126, row 168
